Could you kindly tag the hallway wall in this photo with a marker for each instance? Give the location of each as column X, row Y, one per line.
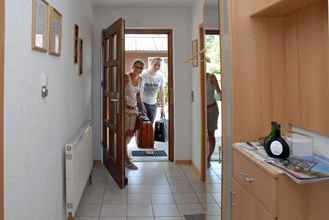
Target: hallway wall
column 180, row 20
column 36, row 129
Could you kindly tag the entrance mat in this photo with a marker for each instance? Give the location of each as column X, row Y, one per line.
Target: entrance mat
column 196, row 217
column 149, row 153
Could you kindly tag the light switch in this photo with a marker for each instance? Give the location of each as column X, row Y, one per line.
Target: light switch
column 44, row 85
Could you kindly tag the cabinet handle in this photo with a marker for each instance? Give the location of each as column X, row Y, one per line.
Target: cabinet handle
column 250, row 179
column 247, row 178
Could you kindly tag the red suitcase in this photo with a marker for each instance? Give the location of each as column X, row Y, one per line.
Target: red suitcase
column 145, row 134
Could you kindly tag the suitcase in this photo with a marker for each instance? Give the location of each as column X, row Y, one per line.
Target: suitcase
column 144, row 133
column 160, row 130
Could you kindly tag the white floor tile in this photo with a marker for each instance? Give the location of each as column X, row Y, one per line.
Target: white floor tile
column 165, row 211
column 190, row 209
column 88, row 211
column 114, row 211
column 162, row 199
column 186, row 198
column 140, row 211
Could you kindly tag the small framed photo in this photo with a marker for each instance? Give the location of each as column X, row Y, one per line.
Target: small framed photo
column 195, row 53
column 40, row 15
column 55, row 32
column 80, row 57
column 76, row 43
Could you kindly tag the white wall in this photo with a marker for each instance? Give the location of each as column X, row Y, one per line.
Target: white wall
column 211, row 17
column 35, row 129
column 197, row 19
column 179, row 19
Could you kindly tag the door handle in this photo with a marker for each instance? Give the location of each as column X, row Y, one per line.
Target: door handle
column 109, row 125
column 114, row 100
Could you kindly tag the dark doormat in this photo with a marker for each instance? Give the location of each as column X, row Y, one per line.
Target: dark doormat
column 196, row 217
column 150, row 153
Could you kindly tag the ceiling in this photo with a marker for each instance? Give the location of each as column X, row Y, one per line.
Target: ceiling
column 144, row 3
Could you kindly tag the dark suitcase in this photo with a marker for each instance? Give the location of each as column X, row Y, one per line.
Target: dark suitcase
column 160, row 130
column 144, row 133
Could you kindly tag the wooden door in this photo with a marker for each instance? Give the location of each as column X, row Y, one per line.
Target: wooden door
column 114, row 101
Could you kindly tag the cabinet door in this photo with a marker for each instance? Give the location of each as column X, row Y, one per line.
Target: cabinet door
column 246, row 207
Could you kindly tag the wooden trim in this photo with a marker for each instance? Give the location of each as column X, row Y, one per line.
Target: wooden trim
column 203, row 103
column 53, row 11
column 195, row 170
column 183, row 162
column 169, row 32
column 2, row 55
column 149, row 31
column 212, row 32
column 98, row 163
column 34, row 21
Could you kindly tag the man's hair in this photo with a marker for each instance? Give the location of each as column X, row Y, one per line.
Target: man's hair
column 155, row 60
column 138, row 61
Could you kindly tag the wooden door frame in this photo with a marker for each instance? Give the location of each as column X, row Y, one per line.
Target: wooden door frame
column 168, row 32
column 2, row 55
column 203, row 107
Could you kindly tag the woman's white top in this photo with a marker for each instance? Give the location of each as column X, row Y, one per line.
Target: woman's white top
column 211, row 89
column 150, row 86
column 131, row 93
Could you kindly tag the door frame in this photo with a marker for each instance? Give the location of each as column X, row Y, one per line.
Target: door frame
column 202, row 34
column 202, row 72
column 2, row 55
column 168, row 32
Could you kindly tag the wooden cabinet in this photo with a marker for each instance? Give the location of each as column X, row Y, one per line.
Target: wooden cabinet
column 247, row 207
column 263, row 192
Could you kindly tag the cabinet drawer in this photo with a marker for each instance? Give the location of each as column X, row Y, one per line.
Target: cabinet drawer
column 255, row 180
column 247, row 207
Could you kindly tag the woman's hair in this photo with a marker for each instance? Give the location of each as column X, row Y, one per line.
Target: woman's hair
column 138, row 61
column 155, row 60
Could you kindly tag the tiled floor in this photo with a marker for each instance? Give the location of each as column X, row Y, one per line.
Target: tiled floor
column 157, row 191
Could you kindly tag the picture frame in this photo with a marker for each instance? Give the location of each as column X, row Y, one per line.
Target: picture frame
column 40, row 19
column 55, row 32
column 80, row 56
column 76, row 43
column 195, row 53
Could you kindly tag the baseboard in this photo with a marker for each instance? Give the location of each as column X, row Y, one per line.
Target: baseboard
column 196, row 170
column 183, row 162
column 98, row 163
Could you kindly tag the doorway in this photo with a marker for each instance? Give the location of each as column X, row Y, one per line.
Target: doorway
column 212, row 43
column 147, row 45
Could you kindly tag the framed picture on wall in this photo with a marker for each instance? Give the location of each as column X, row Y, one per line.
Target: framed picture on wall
column 80, row 57
column 55, row 32
column 76, row 43
column 40, row 14
column 195, row 53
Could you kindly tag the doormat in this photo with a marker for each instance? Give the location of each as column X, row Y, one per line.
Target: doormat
column 195, row 217
column 150, row 153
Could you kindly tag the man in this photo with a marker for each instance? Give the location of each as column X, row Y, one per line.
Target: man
column 152, row 88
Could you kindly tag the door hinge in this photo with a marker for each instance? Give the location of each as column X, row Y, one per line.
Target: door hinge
column 192, row 96
column 102, row 84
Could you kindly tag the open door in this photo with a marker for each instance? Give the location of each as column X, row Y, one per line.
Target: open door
column 114, row 101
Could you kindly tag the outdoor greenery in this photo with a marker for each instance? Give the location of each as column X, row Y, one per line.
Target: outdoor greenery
column 213, row 54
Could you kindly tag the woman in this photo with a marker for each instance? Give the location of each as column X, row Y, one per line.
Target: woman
column 132, row 90
column 212, row 112
column 152, row 88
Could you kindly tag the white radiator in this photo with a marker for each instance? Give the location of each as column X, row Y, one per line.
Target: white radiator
column 78, row 165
